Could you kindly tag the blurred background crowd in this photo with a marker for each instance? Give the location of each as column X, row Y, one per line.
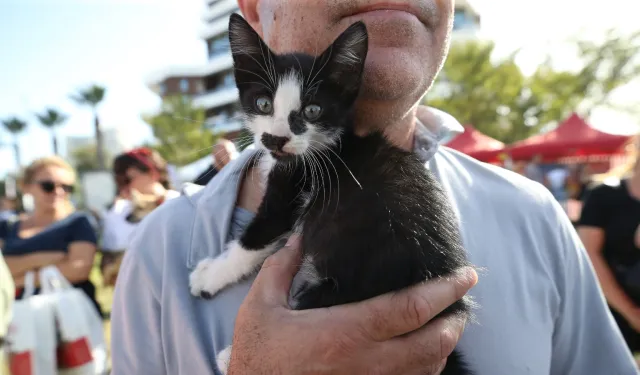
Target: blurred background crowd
column 549, row 96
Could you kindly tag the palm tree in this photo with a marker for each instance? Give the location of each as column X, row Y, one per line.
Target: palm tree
column 91, row 97
column 51, row 119
column 15, row 126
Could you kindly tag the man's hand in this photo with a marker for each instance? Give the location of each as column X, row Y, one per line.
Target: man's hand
column 388, row 334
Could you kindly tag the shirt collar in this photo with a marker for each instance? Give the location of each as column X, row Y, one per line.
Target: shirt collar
column 433, row 128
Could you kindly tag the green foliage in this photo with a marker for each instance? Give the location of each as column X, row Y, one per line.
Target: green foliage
column 500, row 101
column 90, row 96
column 179, row 130
column 51, row 118
column 14, row 125
column 84, row 159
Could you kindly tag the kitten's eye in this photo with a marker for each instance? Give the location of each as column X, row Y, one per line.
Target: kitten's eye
column 312, row 111
column 264, row 105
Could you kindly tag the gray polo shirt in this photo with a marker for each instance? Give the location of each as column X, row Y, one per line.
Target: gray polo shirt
column 542, row 311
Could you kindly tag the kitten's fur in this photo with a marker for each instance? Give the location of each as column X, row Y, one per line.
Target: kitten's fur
column 372, row 218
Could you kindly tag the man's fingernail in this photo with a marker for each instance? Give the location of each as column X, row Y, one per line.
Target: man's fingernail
column 469, row 274
column 292, row 240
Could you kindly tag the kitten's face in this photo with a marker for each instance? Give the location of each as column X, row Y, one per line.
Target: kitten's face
column 296, row 103
column 143, row 204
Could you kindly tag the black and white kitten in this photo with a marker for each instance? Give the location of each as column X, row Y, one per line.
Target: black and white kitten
column 372, row 219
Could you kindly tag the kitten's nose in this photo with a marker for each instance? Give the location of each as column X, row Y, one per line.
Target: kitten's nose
column 274, row 142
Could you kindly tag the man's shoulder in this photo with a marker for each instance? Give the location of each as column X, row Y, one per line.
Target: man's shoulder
column 490, row 184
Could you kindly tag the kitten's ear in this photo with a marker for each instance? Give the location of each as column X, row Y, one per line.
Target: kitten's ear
column 347, row 55
column 247, row 48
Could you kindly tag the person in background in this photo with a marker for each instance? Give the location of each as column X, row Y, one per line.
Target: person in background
column 223, row 152
column 8, row 207
column 608, row 225
column 144, row 171
column 556, row 180
column 533, row 171
column 7, row 293
column 53, row 233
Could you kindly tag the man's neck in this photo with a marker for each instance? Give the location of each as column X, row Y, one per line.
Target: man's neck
column 398, row 128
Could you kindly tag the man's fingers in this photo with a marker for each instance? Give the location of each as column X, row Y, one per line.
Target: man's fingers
column 426, row 348
column 274, row 279
column 395, row 314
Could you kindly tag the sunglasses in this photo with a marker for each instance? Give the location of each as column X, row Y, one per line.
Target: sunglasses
column 50, row 187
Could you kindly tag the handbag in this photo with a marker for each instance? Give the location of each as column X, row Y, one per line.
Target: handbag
column 32, row 333
column 81, row 349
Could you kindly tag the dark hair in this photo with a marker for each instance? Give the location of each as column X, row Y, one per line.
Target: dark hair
column 143, row 159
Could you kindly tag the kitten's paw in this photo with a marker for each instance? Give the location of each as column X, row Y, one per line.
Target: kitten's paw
column 204, row 281
column 222, row 360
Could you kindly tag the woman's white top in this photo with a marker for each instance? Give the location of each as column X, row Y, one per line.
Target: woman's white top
column 117, row 231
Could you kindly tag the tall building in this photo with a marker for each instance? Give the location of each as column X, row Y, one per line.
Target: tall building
column 212, row 85
column 466, row 22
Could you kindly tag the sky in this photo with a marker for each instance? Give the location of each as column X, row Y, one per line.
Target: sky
column 50, row 48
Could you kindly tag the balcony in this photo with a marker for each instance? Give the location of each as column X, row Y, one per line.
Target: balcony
column 216, row 27
column 216, row 98
column 215, row 65
column 220, row 8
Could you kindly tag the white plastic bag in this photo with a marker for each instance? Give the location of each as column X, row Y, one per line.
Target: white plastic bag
column 81, row 348
column 32, row 334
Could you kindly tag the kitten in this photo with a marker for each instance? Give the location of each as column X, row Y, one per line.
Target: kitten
column 372, row 218
column 142, row 205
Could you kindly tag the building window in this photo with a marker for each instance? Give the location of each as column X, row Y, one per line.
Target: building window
column 184, row 85
column 228, row 80
column 463, row 20
column 219, row 45
column 163, row 89
column 199, row 87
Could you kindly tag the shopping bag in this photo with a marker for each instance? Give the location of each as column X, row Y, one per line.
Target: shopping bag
column 81, row 348
column 32, row 334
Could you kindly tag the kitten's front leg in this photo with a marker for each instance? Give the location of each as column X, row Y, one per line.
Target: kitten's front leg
column 222, row 360
column 275, row 218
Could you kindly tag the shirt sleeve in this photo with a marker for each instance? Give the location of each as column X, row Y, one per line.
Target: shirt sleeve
column 594, row 210
column 136, row 344
column 82, row 230
column 586, row 338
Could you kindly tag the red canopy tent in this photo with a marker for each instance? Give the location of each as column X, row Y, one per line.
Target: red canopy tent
column 573, row 137
column 477, row 145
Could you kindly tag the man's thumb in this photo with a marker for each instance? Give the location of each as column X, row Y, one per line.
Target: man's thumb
column 274, row 279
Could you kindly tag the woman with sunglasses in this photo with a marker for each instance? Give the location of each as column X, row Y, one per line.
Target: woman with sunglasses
column 53, row 233
column 144, row 171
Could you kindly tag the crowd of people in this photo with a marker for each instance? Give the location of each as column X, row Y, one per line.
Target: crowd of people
column 54, row 232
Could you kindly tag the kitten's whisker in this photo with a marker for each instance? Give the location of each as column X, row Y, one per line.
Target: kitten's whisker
column 322, row 183
column 325, row 64
column 262, row 84
column 257, row 75
column 335, row 170
column 343, row 163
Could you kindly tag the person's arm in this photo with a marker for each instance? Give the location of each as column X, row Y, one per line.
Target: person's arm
column 586, row 338
column 593, row 238
column 591, row 229
column 19, row 265
column 77, row 265
column 136, row 345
